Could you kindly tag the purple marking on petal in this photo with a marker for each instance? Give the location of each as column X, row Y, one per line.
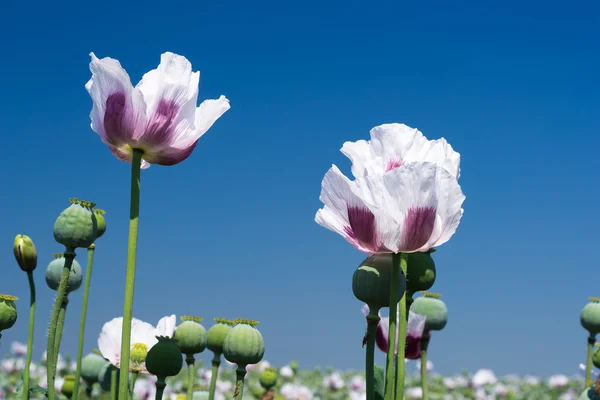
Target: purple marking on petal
column 381, row 337
column 362, row 227
column 118, row 119
column 392, row 164
column 418, row 227
column 171, row 155
column 413, row 347
column 160, row 128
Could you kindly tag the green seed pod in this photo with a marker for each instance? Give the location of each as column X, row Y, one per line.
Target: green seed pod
column 55, row 270
column 200, row 395
column 420, row 272
column 8, row 311
column 215, row 337
column 25, row 253
column 190, row 336
column 244, row 344
column 164, row 358
column 91, row 366
column 77, row 225
column 68, row 386
column 268, row 378
column 434, row 309
column 104, row 376
column 100, row 222
column 590, row 316
column 371, row 281
column 596, row 356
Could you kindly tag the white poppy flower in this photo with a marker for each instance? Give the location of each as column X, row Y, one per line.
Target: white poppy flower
column 408, row 209
column 158, row 116
column 166, row 326
column 109, row 342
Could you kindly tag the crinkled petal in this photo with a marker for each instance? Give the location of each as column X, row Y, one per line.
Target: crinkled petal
column 118, row 113
column 166, row 326
column 346, row 213
column 171, row 93
column 208, row 113
column 109, row 340
column 358, row 152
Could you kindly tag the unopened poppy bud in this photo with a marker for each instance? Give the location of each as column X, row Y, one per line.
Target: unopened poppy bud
column 25, row 253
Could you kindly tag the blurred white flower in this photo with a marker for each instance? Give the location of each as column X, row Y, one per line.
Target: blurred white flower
column 144, row 389
column 286, row 371
column 333, row 381
column 500, row 390
column 557, row 381
column 293, row 391
column 18, row 349
column 531, row 380
column 569, row 395
column 429, row 365
column 484, row 377
column 357, row 384
column 414, row 393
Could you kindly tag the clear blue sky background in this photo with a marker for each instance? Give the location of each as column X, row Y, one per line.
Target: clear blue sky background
column 513, row 86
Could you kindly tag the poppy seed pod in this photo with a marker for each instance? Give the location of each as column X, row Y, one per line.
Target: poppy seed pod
column 596, row 356
column 91, row 366
column 268, row 378
column 100, row 223
column 371, row 281
column 244, row 344
column 8, row 312
column 590, row 316
column 420, row 273
column 190, row 336
column 68, row 386
column 25, row 253
column 76, row 226
column 164, row 358
column 434, row 309
column 215, row 337
column 55, row 270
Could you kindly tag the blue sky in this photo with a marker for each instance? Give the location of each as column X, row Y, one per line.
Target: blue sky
column 513, row 86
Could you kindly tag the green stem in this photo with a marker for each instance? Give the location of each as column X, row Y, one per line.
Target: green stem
column 160, row 388
column 216, row 361
column 113, row 383
column 394, row 295
column 372, row 321
column 191, row 375
column 84, row 304
column 50, row 356
column 240, row 374
column 60, row 325
column 424, row 345
column 134, row 213
column 401, row 335
column 30, row 336
column 134, row 376
column 588, row 364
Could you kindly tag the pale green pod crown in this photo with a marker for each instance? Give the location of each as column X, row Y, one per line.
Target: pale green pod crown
column 164, row 358
column 77, row 225
column 590, row 316
column 433, row 308
column 55, row 270
column 371, row 281
column 244, row 344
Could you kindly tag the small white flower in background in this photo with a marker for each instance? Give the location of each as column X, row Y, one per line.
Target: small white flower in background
column 286, row 371
column 166, row 326
column 512, row 378
column 224, row 386
column 429, row 365
column 333, row 381
column 358, row 395
column 557, row 381
column 292, row 391
column 414, row 393
column 18, row 349
column 569, row 395
column 357, row 384
column 58, row 383
column 484, row 377
column 500, row 390
column 144, row 389
column 260, row 367
column 531, row 380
